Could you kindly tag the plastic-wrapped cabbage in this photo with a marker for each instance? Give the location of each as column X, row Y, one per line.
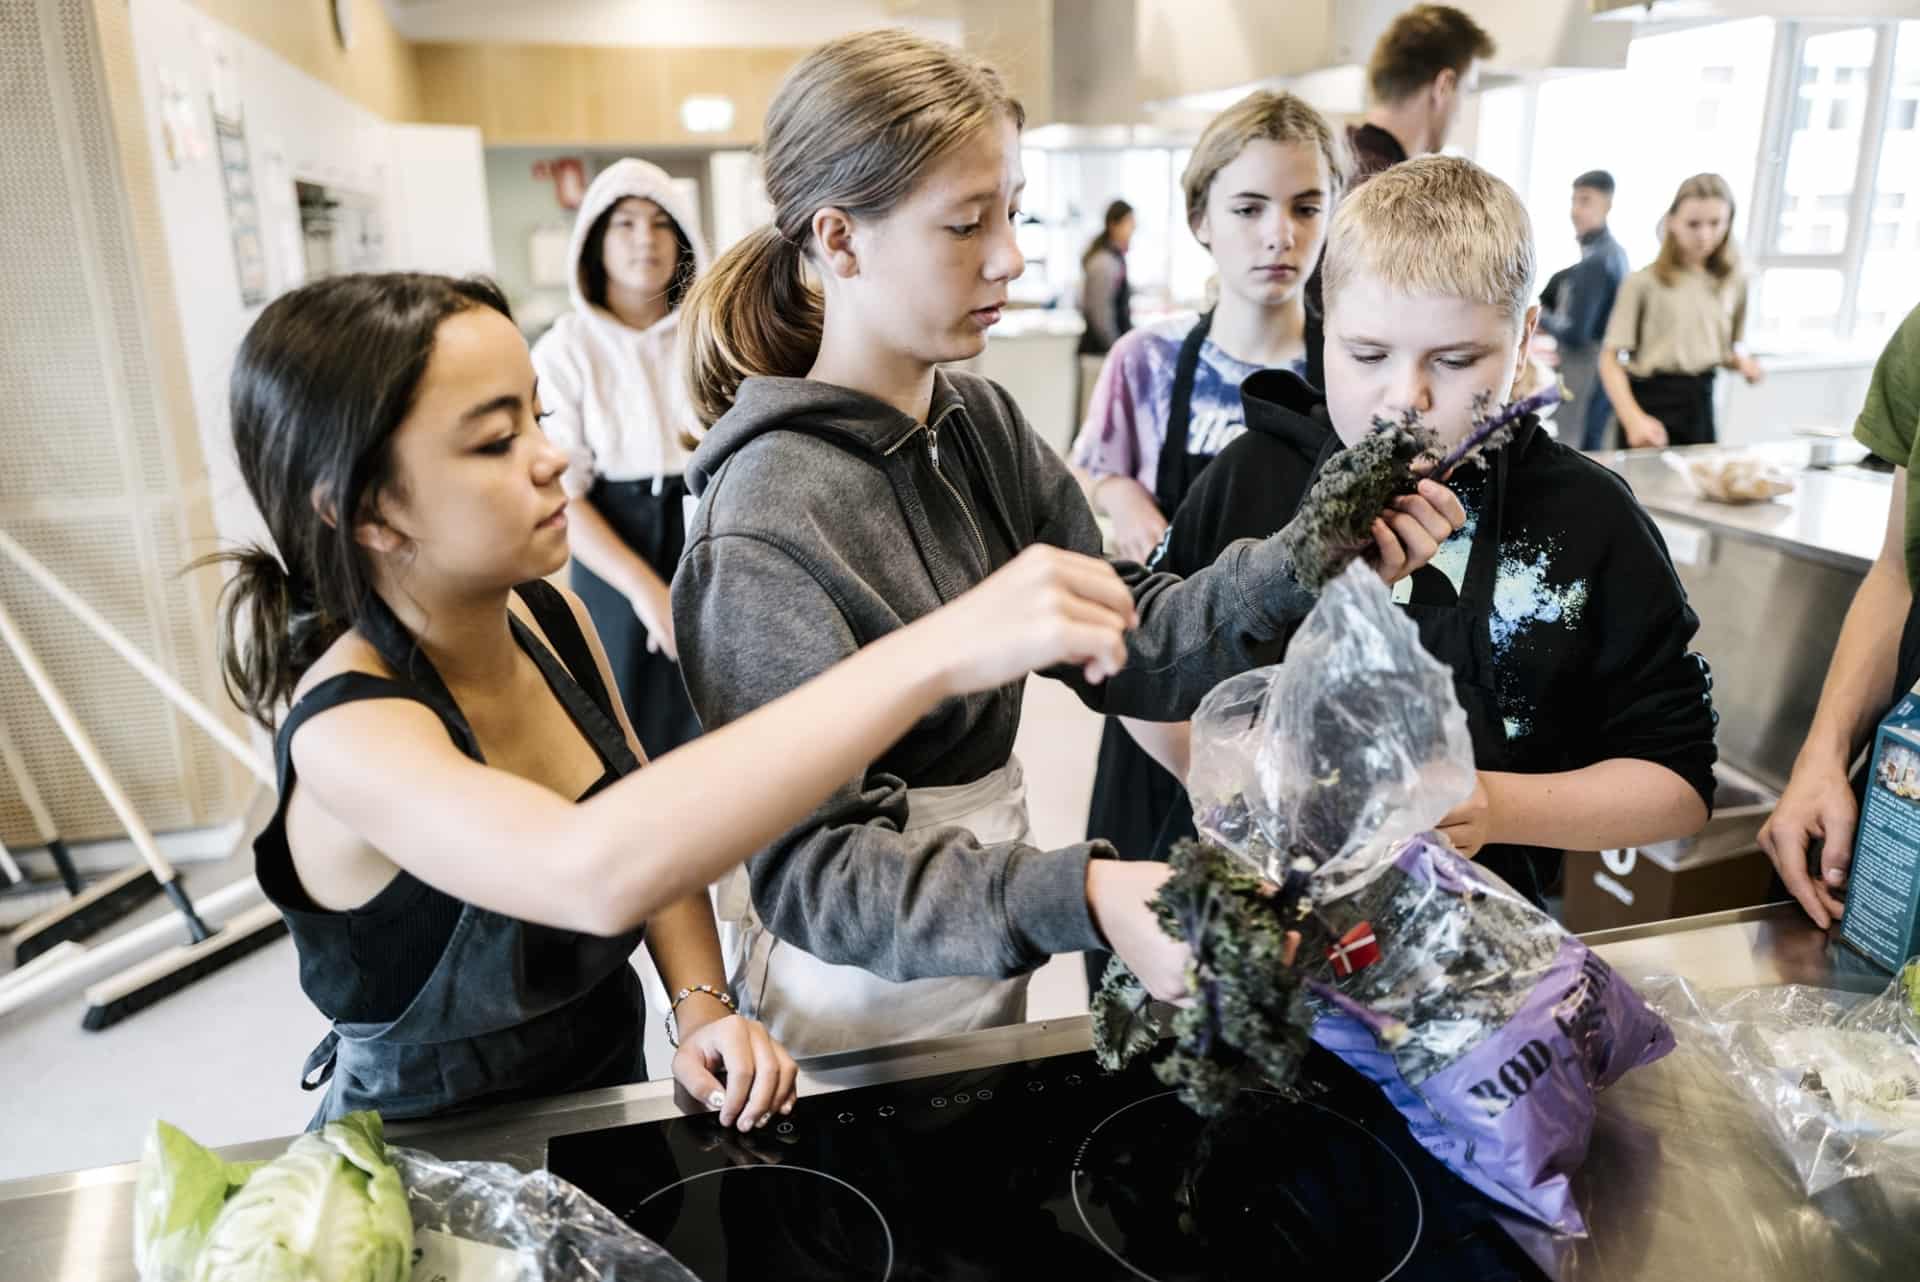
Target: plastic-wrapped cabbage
column 177, row 1197
column 330, row 1209
column 343, row 1206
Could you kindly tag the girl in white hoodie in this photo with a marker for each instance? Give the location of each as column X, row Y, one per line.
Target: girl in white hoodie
column 610, row 377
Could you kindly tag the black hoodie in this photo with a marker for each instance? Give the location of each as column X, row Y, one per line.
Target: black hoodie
column 825, row 521
column 1590, row 627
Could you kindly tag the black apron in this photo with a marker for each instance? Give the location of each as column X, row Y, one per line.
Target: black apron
column 1132, row 793
column 512, row 1009
column 1682, row 402
column 654, row 525
column 1460, row 635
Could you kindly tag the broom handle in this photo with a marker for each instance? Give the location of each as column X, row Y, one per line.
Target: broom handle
column 17, row 768
column 96, row 766
column 42, row 819
column 156, row 676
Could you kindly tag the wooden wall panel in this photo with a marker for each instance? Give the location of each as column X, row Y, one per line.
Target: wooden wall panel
column 379, row 72
column 570, row 95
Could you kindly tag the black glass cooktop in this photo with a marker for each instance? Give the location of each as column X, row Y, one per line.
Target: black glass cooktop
column 1050, row 1169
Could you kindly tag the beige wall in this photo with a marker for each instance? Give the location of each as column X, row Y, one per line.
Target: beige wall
column 1016, row 37
column 380, row 72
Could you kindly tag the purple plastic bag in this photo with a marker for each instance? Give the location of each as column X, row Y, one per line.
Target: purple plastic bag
column 1513, row 1027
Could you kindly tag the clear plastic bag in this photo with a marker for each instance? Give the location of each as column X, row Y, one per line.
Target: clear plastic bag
column 1352, row 745
column 489, row 1222
column 1486, row 1024
column 1836, row 1076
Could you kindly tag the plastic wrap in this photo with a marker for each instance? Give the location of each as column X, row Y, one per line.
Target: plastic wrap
column 1836, row 1077
column 1353, row 744
column 489, row 1222
column 1489, row 1027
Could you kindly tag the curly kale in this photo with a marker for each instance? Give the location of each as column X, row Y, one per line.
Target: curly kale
column 1249, row 1019
column 1335, row 520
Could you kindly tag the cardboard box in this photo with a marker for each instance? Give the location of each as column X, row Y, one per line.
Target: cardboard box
column 1883, row 889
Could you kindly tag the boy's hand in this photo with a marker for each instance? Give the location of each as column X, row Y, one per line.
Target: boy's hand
column 1469, row 825
column 1409, row 534
column 1750, row 370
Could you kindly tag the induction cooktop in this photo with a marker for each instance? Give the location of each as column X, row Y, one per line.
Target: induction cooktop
column 1051, row 1169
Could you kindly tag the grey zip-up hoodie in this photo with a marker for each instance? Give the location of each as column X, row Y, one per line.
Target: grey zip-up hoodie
column 827, row 519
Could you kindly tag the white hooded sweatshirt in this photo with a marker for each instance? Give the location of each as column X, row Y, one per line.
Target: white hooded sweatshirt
column 615, row 394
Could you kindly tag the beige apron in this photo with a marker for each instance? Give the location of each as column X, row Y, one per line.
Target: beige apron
column 815, row 1007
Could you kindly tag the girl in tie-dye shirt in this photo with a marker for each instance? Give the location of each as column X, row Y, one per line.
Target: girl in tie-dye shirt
column 1258, row 190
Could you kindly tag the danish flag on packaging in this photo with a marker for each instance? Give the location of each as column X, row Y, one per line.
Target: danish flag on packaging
column 1356, row 950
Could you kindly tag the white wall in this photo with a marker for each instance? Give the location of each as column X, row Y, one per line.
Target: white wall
column 296, row 128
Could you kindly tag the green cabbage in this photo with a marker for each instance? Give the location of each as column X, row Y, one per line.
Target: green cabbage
column 176, row 1199
column 330, row 1209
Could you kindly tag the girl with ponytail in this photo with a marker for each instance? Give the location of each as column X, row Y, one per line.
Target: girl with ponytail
column 849, row 486
column 467, row 847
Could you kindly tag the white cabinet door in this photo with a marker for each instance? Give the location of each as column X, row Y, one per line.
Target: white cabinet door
column 437, row 180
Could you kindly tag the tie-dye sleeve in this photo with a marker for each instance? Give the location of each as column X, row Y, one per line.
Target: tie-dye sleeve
column 1109, row 443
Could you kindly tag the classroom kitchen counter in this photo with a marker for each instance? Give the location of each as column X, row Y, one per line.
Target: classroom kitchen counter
column 1771, row 582
column 1683, row 1183
column 1835, row 515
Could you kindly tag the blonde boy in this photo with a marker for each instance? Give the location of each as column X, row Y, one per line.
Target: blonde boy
column 1556, row 604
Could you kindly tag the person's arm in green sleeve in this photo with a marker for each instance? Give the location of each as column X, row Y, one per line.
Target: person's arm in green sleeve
column 1818, row 806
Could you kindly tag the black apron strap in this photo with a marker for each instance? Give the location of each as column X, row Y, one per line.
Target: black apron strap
column 1171, row 478
column 320, row 1062
column 401, row 652
column 557, row 619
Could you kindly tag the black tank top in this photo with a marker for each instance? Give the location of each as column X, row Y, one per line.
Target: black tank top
column 365, row 964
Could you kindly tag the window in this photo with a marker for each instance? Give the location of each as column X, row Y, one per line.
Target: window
column 1889, row 274
column 1814, row 125
column 1635, row 124
column 1838, row 263
column 1824, row 146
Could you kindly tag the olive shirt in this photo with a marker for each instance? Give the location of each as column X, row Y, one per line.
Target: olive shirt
column 1688, row 327
column 1889, row 423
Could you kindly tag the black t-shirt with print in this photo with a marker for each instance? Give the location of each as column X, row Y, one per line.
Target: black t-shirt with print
column 1590, row 627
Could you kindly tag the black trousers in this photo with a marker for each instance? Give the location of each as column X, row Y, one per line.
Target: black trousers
column 1682, row 402
column 651, row 687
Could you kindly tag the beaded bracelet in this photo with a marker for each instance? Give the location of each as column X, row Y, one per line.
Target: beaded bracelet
column 673, row 1025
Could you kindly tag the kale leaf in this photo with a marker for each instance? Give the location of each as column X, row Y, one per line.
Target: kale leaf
column 1335, row 520
column 1249, row 1019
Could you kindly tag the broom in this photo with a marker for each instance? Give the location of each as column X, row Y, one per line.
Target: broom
column 206, row 950
column 94, row 909
column 42, row 818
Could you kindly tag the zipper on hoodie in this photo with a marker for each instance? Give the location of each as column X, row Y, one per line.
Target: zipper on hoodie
column 933, row 454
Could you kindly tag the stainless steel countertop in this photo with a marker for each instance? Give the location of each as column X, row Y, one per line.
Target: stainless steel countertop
column 1682, row 1182
column 1836, row 515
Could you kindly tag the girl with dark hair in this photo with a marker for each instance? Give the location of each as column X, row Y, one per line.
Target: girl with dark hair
column 610, row 380
column 467, row 848
column 1106, row 303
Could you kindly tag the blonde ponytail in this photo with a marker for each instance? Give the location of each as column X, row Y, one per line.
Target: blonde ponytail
column 752, row 313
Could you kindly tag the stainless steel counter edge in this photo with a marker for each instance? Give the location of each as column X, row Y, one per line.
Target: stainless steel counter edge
column 526, row 1127
column 1681, row 1182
